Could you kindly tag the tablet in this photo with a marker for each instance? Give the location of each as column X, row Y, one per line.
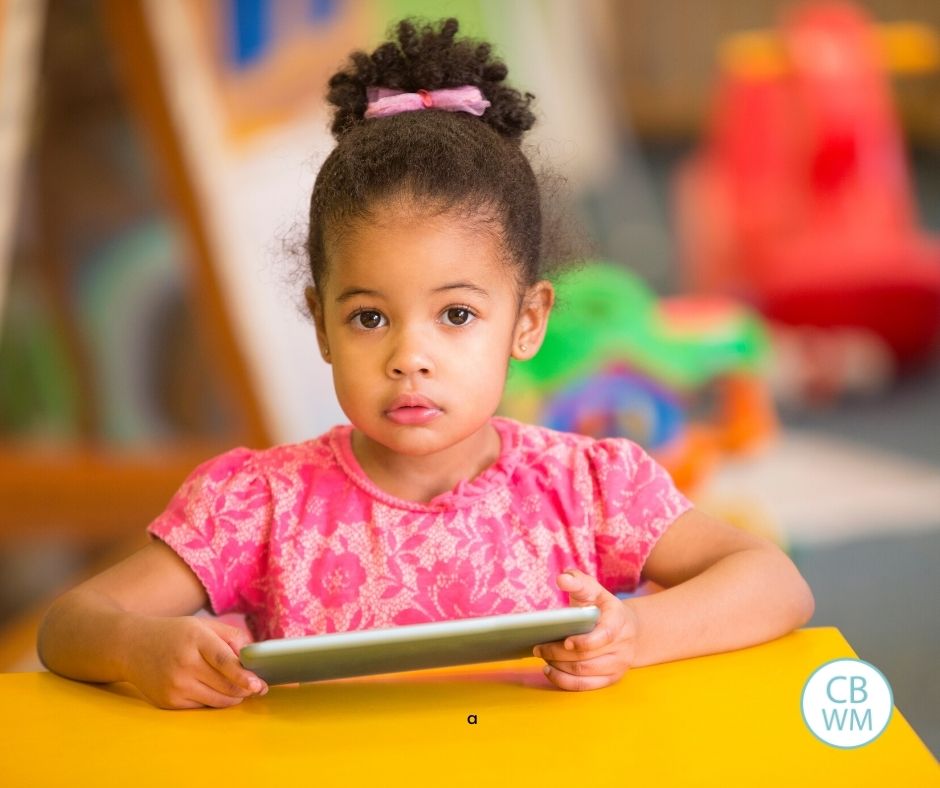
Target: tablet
column 415, row 646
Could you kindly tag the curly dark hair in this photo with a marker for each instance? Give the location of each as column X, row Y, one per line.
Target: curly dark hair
column 445, row 160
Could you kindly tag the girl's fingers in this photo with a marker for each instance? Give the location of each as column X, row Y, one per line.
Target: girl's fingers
column 195, row 694
column 219, row 656
column 597, row 658
column 604, row 665
column 235, row 637
column 586, row 590
column 583, row 589
column 598, row 641
column 221, row 683
column 566, row 681
column 206, row 695
column 556, row 652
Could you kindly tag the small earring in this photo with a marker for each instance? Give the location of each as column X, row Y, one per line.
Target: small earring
column 326, row 351
column 523, row 348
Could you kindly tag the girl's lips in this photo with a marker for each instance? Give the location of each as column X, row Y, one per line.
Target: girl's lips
column 413, row 415
column 412, row 408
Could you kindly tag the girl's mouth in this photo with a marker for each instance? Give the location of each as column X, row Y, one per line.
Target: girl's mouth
column 418, row 414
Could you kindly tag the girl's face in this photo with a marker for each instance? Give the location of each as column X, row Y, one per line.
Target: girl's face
column 418, row 317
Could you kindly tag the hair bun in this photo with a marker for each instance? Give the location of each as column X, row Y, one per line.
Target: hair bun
column 429, row 56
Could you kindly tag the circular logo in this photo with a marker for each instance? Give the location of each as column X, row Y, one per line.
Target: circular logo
column 847, row 703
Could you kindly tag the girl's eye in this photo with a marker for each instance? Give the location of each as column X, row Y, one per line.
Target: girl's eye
column 369, row 318
column 458, row 316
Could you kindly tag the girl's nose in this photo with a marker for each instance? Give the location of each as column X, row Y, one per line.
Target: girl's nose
column 409, row 358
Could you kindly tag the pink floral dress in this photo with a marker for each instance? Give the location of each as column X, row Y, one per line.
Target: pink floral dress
column 299, row 540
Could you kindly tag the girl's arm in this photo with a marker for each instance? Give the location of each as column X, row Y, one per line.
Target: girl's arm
column 133, row 622
column 725, row 589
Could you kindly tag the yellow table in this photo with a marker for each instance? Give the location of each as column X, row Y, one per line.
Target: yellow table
column 730, row 719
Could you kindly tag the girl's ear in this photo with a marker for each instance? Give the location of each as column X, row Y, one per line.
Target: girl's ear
column 316, row 312
column 532, row 320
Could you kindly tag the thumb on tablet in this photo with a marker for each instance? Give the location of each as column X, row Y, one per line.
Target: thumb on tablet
column 230, row 665
column 582, row 589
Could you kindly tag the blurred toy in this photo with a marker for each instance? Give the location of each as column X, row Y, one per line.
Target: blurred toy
column 800, row 202
column 616, row 401
column 681, row 376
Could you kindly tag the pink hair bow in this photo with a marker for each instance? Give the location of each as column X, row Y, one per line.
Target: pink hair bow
column 386, row 101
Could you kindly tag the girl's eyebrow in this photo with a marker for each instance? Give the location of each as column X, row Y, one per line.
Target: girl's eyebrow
column 462, row 286
column 352, row 292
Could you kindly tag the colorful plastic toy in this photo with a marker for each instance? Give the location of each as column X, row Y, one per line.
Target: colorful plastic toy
column 681, row 376
column 799, row 200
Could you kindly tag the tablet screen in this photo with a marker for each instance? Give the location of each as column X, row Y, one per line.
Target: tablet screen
column 415, row 646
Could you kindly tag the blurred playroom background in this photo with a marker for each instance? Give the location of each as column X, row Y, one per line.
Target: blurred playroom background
column 759, row 182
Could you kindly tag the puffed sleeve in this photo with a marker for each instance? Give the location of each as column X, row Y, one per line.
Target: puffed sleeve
column 635, row 502
column 218, row 522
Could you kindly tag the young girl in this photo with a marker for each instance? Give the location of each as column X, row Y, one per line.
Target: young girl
column 424, row 247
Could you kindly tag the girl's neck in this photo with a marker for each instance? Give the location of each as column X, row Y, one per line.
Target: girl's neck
column 425, row 477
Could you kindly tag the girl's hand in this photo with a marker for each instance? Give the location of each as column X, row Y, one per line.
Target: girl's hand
column 188, row 662
column 601, row 656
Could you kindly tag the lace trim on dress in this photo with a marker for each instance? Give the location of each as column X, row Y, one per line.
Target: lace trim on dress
column 464, row 493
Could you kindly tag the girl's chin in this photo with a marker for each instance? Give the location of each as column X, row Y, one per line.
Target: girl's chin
column 412, row 441
column 415, row 440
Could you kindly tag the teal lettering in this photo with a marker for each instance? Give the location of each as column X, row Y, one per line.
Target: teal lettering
column 861, row 722
column 832, row 681
column 839, row 721
column 860, row 688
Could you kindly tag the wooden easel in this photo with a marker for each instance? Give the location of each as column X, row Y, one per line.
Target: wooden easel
column 88, row 491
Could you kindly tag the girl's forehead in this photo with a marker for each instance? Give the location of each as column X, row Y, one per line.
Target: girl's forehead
column 419, row 253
